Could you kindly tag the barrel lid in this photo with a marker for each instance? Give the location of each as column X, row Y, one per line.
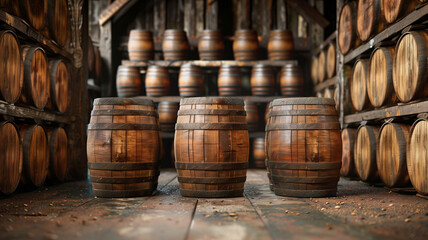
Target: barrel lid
column 303, row 101
column 212, row 100
column 123, row 101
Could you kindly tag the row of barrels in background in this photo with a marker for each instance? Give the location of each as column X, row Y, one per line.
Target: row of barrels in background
column 211, row 45
column 51, row 17
column 394, row 153
column 30, row 154
column 30, row 77
column 324, row 65
column 392, row 74
column 191, row 81
column 360, row 20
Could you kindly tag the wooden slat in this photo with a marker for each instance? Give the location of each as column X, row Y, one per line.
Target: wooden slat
column 308, row 12
column 327, row 83
column 203, row 63
column 111, row 10
column 29, row 112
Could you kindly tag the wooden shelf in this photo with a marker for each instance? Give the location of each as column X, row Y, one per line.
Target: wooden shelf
column 389, row 112
column 326, row 42
column 210, row 63
column 23, row 28
column 392, row 30
column 327, row 83
column 256, row 99
column 29, row 112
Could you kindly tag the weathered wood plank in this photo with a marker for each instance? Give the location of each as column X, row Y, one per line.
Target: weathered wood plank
column 203, row 63
column 281, row 15
column 190, row 18
column 159, row 19
column 111, row 10
column 211, row 21
column 31, row 112
column 327, row 83
column 246, row 14
column 308, row 12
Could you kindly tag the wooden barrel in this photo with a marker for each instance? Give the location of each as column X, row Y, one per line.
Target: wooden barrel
column 10, row 6
column 267, row 111
column 91, row 57
column 330, row 60
column 10, row 157
column 36, row 86
column 280, row 45
column 35, row 11
column 417, row 156
column 140, row 45
column 167, row 115
column 348, row 165
column 259, row 153
column 157, row 81
column 190, row 81
column 252, row 115
column 369, row 19
column 262, row 80
column 321, row 67
column 380, row 88
column 358, row 85
column 365, row 152
column 175, row 45
column 314, row 70
column 229, row 81
column 346, row 34
column 267, row 121
column 60, row 94
column 328, row 93
column 211, row 147
column 58, row 153
column 58, row 20
column 11, row 67
column 211, row 45
column 35, row 154
column 392, row 10
column 128, row 81
column 123, row 147
column 391, row 154
column 304, row 147
column 410, row 70
column 291, row 81
column 246, row 45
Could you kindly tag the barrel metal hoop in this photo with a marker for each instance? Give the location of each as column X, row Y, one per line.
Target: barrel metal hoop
column 304, row 126
column 304, row 166
column 211, row 126
column 123, row 180
column 122, row 193
column 305, row 193
column 122, row 126
column 123, row 112
column 304, row 179
column 212, row 194
column 211, row 166
column 308, row 112
column 119, row 166
column 211, row 112
column 226, row 180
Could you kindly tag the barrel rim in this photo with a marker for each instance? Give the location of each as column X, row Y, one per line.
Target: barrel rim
column 212, row 100
column 302, row 101
column 123, row 101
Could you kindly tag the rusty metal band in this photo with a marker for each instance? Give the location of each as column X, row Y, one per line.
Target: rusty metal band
column 281, row 179
column 218, row 180
column 121, row 126
column 308, row 112
column 304, row 166
column 212, row 100
column 304, row 193
column 211, row 112
column 211, row 166
column 122, row 193
column 123, row 180
column 303, row 101
column 211, row 126
column 212, row 194
column 123, row 101
column 304, row 126
column 122, row 166
column 123, row 112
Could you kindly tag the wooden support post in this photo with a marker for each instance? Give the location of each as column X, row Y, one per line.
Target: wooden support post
column 211, row 20
column 159, row 19
column 267, row 22
column 339, row 67
column 190, row 18
column 246, row 14
column 281, row 15
column 106, row 55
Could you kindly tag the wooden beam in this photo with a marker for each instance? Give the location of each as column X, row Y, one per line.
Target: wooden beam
column 308, row 12
column 111, row 10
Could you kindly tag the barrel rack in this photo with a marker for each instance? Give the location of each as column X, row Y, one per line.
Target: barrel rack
column 329, row 82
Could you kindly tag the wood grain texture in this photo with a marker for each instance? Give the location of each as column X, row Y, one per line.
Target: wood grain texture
column 348, row 165
column 291, row 81
column 35, row 11
column 128, row 81
column 218, row 153
column 10, row 157
column 262, row 80
column 58, row 153
column 347, row 37
column 391, row 154
column 321, row 66
column 167, row 115
column 58, row 20
column 190, row 81
column 60, row 90
column 303, row 146
column 369, row 19
column 330, row 60
column 175, row 45
column 259, row 155
column 358, row 85
column 157, row 81
column 280, row 45
column 410, row 72
column 392, row 10
column 140, row 45
column 246, row 45
column 314, row 70
column 11, row 67
column 417, row 156
column 229, row 81
column 252, row 115
column 211, row 45
column 365, row 152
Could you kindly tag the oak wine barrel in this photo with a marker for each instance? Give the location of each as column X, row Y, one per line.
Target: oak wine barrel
column 346, row 34
column 392, row 10
column 280, row 45
column 229, row 81
column 190, row 81
column 128, row 81
column 11, row 7
column 58, row 20
column 366, row 143
column 60, row 92
column 304, row 147
column 123, row 147
column 259, row 153
column 348, row 142
column 417, row 156
column 35, row 154
column 11, row 67
column 167, row 115
column 175, row 45
column 369, row 19
column 58, row 153
column 35, row 11
column 10, row 157
column 314, row 70
column 157, row 81
column 380, row 88
column 36, row 86
column 291, row 81
column 330, row 60
column 267, row 121
column 246, row 45
column 211, row 45
column 321, row 67
column 391, row 154
column 262, row 80
column 211, row 147
column 252, row 115
column 358, row 85
column 140, row 45
column 410, row 70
